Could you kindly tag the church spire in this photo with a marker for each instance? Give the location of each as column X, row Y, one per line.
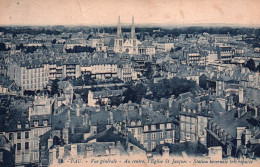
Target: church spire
column 119, row 33
column 133, row 28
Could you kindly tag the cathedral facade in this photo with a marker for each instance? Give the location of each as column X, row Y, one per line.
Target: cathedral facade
column 128, row 45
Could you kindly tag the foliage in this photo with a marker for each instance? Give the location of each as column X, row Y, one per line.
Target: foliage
column 149, row 70
column 3, row 47
column 55, row 87
column 135, row 93
column 79, row 49
column 54, row 41
column 175, row 86
column 250, row 64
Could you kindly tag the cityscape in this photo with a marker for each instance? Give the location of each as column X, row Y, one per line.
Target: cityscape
column 150, row 95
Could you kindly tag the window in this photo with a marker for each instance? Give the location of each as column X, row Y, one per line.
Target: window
column 27, row 145
column 169, row 134
column 19, row 135
column 146, row 128
column 45, row 122
column 161, row 135
column 36, row 144
column 19, row 126
column 153, row 136
column 11, row 135
column 133, row 131
column 139, row 131
column 36, row 133
column 153, row 145
column 35, row 123
column 146, row 136
column 26, row 135
column 162, row 126
column 169, row 125
column 18, row 146
column 153, row 127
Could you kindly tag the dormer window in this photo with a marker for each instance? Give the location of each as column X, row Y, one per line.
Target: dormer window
column 19, row 125
column 169, row 125
column 132, row 123
column 153, row 127
column 45, row 122
column 162, row 126
column 36, row 123
column 26, row 124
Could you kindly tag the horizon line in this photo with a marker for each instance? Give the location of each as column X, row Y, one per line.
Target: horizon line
column 162, row 25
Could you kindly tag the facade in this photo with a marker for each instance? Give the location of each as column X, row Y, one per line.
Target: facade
column 129, row 45
column 97, row 98
column 71, row 68
column 103, row 69
column 164, row 46
column 125, row 72
column 30, row 75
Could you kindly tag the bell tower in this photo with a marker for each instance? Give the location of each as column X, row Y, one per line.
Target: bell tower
column 133, row 38
column 119, row 38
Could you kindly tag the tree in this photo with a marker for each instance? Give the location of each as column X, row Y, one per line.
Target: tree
column 54, row 41
column 149, row 70
column 250, row 64
column 258, row 68
column 135, row 93
column 3, row 47
column 55, row 87
column 175, row 86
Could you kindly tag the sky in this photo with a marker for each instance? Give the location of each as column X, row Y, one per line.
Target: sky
column 106, row 12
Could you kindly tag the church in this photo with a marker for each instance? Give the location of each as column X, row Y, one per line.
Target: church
column 129, row 45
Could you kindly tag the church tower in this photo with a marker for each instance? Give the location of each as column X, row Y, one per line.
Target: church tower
column 118, row 45
column 133, row 28
column 133, row 38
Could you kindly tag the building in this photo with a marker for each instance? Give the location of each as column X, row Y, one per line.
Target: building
column 129, row 45
column 98, row 98
column 103, row 69
column 6, row 152
column 30, row 75
column 40, row 122
column 225, row 53
column 71, row 68
column 163, row 46
column 18, row 132
column 125, row 72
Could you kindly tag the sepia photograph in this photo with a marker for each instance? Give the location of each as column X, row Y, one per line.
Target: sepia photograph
column 129, row 83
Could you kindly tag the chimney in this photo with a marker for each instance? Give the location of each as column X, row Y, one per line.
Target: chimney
column 111, row 117
column 199, row 107
column 72, row 130
column 77, row 111
column 86, row 119
column 203, row 104
column 241, row 95
column 140, row 111
column 167, row 113
column 256, row 110
column 50, row 142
